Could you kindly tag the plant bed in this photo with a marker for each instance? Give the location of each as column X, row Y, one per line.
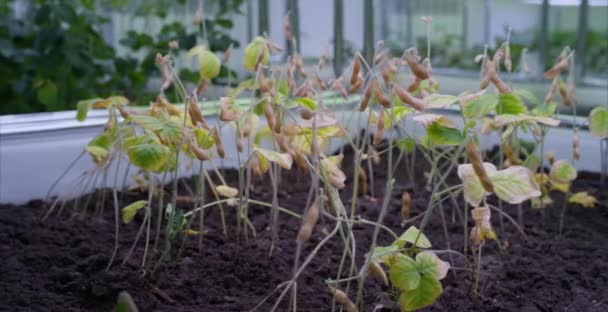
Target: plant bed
column 59, row 264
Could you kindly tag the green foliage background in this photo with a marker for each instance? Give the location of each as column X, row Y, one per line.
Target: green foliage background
column 55, row 54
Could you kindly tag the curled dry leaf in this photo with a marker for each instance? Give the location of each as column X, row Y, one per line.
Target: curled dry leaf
column 227, row 113
column 483, row 228
column 227, row 191
column 331, row 170
column 562, row 172
column 583, row 199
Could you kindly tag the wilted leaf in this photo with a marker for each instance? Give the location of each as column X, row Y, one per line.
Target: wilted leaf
column 428, row 290
column 403, row 272
column 472, row 188
column 562, row 172
column 514, row 184
column 410, row 235
column 227, row 191
column 129, row 211
column 429, row 264
column 598, row 122
column 331, row 170
column 204, row 138
column 282, row 159
column 381, row 253
column 506, row 119
column 439, row 101
column 583, row 199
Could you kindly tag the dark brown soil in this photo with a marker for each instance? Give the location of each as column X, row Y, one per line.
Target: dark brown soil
column 58, row 264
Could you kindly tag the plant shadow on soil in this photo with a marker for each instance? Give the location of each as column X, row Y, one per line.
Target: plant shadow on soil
column 59, row 264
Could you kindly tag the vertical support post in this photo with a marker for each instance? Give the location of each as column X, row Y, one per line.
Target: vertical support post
column 410, row 24
column 292, row 8
column 487, row 26
column 465, row 25
column 368, row 30
column 581, row 37
column 263, row 23
column 249, row 20
column 338, row 37
column 542, row 44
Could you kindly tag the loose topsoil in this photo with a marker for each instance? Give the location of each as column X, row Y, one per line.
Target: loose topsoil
column 59, row 264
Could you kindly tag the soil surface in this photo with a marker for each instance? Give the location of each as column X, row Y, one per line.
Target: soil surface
column 59, row 264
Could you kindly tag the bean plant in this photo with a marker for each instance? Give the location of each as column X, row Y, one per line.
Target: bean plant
column 281, row 119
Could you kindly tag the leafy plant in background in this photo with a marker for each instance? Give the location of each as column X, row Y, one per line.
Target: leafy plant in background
column 53, row 52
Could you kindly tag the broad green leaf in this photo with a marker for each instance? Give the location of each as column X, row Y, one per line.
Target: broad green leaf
column 380, row 254
column 429, row 264
column 544, row 110
column 472, row 188
column 583, row 199
column 306, row 102
column 410, row 235
column 103, row 140
column 439, row 101
column 562, row 172
column 506, row 119
column 428, row 290
column 598, row 122
column 527, row 95
column 481, row 106
column 282, row 159
column 149, row 156
column 403, row 272
column 509, row 103
column 514, row 184
column 99, row 154
column 253, row 51
column 129, row 211
column 441, row 135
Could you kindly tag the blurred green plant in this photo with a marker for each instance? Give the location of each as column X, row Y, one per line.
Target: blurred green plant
column 53, row 53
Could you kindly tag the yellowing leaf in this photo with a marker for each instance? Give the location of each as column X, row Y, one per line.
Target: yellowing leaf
column 439, row 101
column 514, row 184
column 428, row 263
column 255, row 50
column 583, row 199
column 306, row 102
column 506, row 119
column 282, row 159
column 410, row 236
column 129, row 211
column 403, row 272
column 472, row 188
column 227, row 191
column 428, row 290
column 191, row 232
column 562, row 172
column 598, row 122
column 149, row 156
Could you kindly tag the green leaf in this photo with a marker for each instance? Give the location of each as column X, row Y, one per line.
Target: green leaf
column 480, row 107
column 98, row 153
column 439, row 101
column 509, row 103
column 171, row 131
column 399, row 112
column 429, row 264
column 149, row 156
column 403, row 272
column 410, row 235
column 282, row 159
column 253, row 50
column 544, row 110
column 83, row 108
column 428, row 290
column 514, row 184
column 47, row 94
column 306, row 102
column 506, row 119
column 562, row 172
column 527, row 95
column 209, row 64
column 129, row 212
column 103, row 140
column 441, row 135
column 406, row 144
column 598, row 122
